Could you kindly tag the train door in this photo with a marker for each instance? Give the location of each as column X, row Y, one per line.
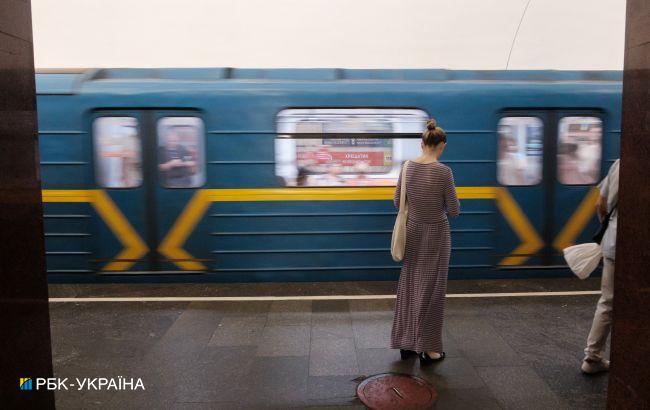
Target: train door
column 522, row 146
column 148, row 164
column 578, row 164
column 547, row 162
column 178, row 140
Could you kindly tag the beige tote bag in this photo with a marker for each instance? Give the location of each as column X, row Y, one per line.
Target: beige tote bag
column 398, row 241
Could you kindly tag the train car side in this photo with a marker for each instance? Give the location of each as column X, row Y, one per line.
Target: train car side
column 243, row 224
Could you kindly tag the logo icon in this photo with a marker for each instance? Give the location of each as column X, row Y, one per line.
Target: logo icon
column 25, row 383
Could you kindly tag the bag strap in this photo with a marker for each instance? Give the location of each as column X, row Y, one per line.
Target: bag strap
column 402, row 195
column 609, row 214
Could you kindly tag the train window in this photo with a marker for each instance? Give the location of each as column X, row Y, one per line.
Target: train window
column 579, row 150
column 346, row 146
column 118, row 152
column 520, row 150
column 181, row 157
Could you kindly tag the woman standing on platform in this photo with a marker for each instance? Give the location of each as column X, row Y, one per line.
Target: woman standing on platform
column 431, row 196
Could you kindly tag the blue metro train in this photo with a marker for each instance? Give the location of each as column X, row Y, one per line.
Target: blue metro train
column 288, row 174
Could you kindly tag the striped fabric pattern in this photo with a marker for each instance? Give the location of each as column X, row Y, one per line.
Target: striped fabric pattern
column 420, row 304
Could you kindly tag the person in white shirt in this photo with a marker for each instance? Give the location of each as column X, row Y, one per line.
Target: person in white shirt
column 594, row 361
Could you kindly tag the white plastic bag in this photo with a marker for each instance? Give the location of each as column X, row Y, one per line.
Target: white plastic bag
column 583, row 259
column 398, row 240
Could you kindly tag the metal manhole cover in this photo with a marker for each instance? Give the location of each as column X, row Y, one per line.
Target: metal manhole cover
column 396, row 391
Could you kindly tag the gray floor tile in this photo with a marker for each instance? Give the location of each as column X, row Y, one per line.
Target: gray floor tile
column 290, row 313
column 451, row 373
column 207, row 406
column 122, row 330
column 371, row 309
column 474, row 307
column 327, row 387
column 369, row 333
column 334, row 403
column 238, row 331
column 287, row 306
column 324, row 306
column 101, row 366
column 466, row 399
column 555, row 311
column 383, row 360
column 331, row 325
column 168, row 376
column 333, row 357
column 480, row 343
column 136, row 400
column 190, row 333
column 317, row 317
column 180, row 357
column 543, row 341
column 284, row 341
column 196, row 318
column 219, row 374
column 278, row 381
column 163, row 376
column 93, row 366
column 167, row 364
column 75, row 399
column 519, row 387
column 586, row 401
column 230, row 405
column 568, row 381
column 248, row 308
column 449, row 344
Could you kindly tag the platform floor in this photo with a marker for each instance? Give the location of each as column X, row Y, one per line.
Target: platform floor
column 507, row 352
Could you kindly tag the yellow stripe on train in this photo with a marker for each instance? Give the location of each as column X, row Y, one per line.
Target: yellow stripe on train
column 172, row 244
column 134, row 246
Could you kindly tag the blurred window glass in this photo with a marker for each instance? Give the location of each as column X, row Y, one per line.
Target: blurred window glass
column 181, row 156
column 579, row 150
column 345, row 146
column 118, row 152
column 520, row 150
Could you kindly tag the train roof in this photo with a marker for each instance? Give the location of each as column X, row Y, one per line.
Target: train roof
column 66, row 81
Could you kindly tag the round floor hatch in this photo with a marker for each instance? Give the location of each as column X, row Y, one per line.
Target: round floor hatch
column 396, row 391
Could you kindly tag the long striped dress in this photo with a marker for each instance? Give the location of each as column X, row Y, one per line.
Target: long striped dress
column 420, row 305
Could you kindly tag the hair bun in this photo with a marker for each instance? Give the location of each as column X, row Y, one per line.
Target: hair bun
column 431, row 124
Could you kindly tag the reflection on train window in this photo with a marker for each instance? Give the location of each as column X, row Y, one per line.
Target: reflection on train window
column 180, row 152
column 520, row 151
column 579, row 150
column 345, row 147
column 118, row 152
